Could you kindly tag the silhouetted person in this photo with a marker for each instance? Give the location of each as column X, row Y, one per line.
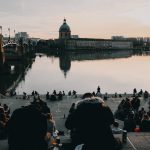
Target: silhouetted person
column 60, row 96
column 69, row 93
column 53, row 97
column 54, row 92
column 63, row 93
column 116, row 95
column 135, row 103
column 130, row 123
column 47, row 96
column 93, row 93
column 134, row 91
column 91, row 122
column 146, row 95
column 145, row 124
column 98, row 89
column 140, row 93
column 27, row 129
column 24, row 95
column 105, row 96
column 32, row 93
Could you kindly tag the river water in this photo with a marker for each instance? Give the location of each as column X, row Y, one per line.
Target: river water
column 113, row 71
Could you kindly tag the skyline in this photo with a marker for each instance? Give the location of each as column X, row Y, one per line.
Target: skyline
column 86, row 18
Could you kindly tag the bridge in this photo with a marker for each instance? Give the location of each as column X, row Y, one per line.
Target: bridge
column 15, row 50
column 15, row 58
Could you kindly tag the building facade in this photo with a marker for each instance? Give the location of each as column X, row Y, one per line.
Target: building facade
column 23, row 35
column 84, row 43
column 69, row 42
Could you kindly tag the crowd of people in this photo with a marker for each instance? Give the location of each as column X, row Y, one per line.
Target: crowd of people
column 31, row 127
column 90, row 123
column 90, row 120
column 133, row 117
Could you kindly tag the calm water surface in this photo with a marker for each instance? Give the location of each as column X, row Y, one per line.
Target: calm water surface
column 119, row 73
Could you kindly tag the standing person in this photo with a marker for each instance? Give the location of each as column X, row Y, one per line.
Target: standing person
column 27, row 129
column 134, row 91
column 91, row 122
column 99, row 92
column 98, row 89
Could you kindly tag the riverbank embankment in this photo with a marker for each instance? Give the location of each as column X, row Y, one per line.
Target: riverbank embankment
column 60, row 111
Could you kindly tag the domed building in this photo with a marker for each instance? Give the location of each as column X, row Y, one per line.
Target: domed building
column 67, row 41
column 64, row 31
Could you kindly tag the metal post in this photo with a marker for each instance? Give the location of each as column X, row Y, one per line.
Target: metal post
column 9, row 34
column 124, row 136
column 14, row 35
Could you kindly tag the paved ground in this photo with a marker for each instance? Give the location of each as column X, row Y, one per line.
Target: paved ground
column 139, row 141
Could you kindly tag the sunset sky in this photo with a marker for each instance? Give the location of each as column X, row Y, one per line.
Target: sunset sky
column 87, row 18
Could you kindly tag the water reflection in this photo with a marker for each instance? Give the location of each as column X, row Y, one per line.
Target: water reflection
column 81, row 72
column 65, row 58
column 12, row 72
column 65, row 63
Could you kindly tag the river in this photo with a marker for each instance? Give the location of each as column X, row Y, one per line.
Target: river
column 119, row 71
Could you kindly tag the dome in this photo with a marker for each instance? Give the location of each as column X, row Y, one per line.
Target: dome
column 64, row 27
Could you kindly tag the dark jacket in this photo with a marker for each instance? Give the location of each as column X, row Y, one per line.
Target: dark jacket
column 145, row 126
column 27, row 129
column 129, row 124
column 91, row 122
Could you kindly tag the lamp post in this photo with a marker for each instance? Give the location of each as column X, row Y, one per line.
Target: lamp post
column 9, row 34
column 14, row 35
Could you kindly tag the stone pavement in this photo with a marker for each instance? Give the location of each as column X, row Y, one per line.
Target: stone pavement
column 60, row 110
column 141, row 141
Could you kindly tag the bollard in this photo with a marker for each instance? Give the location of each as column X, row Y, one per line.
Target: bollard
column 124, row 136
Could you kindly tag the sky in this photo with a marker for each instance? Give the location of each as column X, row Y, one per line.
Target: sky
column 86, row 18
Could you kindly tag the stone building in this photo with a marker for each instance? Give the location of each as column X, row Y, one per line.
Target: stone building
column 66, row 41
column 86, row 43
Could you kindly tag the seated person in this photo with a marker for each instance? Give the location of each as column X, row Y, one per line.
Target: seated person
column 130, row 123
column 91, row 122
column 53, row 97
column 145, row 124
column 27, row 129
column 50, row 123
column 6, row 110
column 50, row 128
column 3, row 120
column 3, row 125
column 115, row 128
